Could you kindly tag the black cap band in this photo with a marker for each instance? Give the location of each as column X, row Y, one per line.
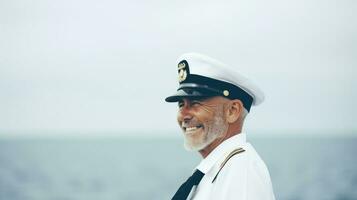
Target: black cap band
column 196, row 86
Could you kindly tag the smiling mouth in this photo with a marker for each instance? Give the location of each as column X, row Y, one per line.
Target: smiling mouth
column 192, row 129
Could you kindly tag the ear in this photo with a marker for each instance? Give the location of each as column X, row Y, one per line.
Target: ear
column 234, row 110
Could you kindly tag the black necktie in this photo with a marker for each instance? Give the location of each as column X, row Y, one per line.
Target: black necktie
column 186, row 187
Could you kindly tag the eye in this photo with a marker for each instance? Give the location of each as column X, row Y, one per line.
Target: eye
column 195, row 102
column 180, row 104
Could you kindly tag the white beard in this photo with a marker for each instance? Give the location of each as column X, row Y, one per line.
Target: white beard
column 212, row 131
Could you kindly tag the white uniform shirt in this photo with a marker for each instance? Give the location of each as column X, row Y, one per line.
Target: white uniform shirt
column 243, row 177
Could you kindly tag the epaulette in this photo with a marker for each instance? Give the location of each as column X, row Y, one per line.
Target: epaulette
column 233, row 153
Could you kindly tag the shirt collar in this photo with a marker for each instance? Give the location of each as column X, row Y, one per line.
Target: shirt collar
column 226, row 146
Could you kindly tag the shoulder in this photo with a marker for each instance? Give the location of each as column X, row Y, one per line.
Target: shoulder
column 245, row 175
column 247, row 163
column 233, row 166
column 237, row 155
column 245, row 167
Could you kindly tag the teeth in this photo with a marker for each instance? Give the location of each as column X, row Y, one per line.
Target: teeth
column 191, row 128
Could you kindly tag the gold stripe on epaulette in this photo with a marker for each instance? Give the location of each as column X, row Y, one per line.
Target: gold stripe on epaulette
column 233, row 153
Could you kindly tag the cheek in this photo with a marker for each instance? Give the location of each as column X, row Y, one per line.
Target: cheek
column 178, row 120
column 206, row 120
column 179, row 117
column 209, row 118
column 205, row 115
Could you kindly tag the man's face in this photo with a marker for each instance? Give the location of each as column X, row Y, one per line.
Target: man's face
column 202, row 121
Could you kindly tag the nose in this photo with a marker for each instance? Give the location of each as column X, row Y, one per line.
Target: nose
column 184, row 113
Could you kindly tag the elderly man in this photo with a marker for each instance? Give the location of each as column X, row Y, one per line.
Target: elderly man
column 213, row 102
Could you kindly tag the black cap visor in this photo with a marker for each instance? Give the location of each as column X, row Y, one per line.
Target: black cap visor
column 199, row 87
column 193, row 91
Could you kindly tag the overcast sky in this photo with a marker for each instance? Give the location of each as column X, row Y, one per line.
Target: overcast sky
column 106, row 66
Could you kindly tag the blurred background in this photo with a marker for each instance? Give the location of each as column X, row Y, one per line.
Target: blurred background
column 82, row 88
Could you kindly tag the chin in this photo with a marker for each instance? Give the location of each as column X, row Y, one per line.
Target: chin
column 190, row 147
column 192, row 144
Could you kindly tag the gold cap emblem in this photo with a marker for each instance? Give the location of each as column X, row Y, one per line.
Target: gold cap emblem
column 182, row 73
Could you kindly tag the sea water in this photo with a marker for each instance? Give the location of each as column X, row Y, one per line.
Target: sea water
column 301, row 168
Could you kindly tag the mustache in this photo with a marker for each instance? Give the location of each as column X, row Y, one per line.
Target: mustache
column 190, row 123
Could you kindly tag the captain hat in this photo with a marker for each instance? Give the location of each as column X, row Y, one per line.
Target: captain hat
column 200, row 76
